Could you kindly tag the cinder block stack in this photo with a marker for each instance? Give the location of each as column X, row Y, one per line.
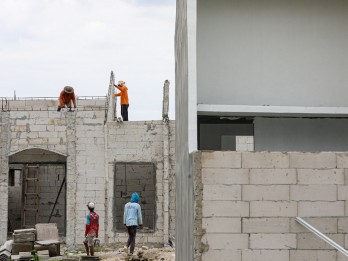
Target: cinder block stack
column 5, row 250
column 25, row 256
column 23, row 240
column 43, row 255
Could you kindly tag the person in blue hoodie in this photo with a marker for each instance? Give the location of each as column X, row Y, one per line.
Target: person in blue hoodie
column 132, row 219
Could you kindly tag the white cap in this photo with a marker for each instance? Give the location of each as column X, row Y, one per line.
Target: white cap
column 91, row 205
column 121, row 82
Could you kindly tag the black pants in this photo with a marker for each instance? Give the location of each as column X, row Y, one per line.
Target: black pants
column 132, row 231
column 124, row 111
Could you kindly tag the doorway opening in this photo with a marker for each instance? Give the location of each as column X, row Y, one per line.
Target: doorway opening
column 37, row 189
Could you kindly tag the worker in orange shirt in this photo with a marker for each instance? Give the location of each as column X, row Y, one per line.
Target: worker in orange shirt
column 66, row 96
column 124, row 99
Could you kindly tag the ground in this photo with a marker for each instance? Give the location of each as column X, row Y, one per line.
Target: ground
column 116, row 253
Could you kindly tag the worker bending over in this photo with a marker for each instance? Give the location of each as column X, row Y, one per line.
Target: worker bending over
column 66, row 97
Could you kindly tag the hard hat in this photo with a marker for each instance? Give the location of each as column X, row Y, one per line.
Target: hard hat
column 121, row 82
column 91, row 205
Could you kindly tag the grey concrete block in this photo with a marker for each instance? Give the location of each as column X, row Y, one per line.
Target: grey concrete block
column 273, row 176
column 342, row 160
column 343, row 225
column 318, row 255
column 273, row 209
column 273, row 241
column 222, row 225
column 323, row 224
column 265, row 160
column 341, row 257
column 265, row 192
column 313, row 192
column 223, row 254
column 311, row 241
column 342, row 192
column 220, row 241
column 22, row 247
column 225, row 208
column 225, row 176
column 266, row 225
column 308, row 160
column 320, row 176
column 221, row 159
column 265, row 255
column 222, row 192
column 320, row 209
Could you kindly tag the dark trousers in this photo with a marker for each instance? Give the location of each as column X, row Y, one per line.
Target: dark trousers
column 132, row 231
column 124, row 111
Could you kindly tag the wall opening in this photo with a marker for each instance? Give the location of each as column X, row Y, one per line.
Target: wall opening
column 221, row 133
column 135, row 177
column 37, row 189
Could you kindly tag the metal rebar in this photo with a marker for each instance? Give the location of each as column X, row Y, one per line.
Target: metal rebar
column 322, row 236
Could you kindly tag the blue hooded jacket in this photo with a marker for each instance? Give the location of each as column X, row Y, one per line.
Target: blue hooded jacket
column 132, row 212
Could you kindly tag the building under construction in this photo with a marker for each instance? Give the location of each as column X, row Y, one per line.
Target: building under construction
column 53, row 163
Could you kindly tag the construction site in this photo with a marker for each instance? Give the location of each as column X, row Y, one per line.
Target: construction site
column 54, row 162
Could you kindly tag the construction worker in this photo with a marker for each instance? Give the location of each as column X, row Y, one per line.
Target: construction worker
column 124, row 99
column 66, row 96
column 92, row 229
column 132, row 219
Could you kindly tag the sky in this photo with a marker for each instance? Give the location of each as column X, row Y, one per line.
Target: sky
column 48, row 44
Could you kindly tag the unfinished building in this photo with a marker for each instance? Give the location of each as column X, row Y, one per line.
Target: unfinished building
column 272, row 75
column 53, row 163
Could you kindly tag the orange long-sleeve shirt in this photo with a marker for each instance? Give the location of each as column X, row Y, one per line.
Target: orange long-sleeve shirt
column 123, row 94
column 66, row 98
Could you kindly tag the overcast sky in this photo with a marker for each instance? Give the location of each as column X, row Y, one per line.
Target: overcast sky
column 47, row 44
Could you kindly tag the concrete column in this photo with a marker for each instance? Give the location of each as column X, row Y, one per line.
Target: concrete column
column 4, row 149
column 111, row 101
column 166, row 165
column 165, row 108
column 109, row 184
column 71, row 177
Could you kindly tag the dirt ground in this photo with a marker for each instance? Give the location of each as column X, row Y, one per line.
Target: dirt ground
column 153, row 254
column 117, row 254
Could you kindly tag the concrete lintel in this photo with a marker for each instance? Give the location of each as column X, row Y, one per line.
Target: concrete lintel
column 275, row 111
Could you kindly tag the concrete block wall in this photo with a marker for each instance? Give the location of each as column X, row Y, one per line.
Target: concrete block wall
column 250, row 201
column 4, row 147
column 38, row 129
column 89, row 147
column 140, row 142
column 50, row 104
column 172, row 180
column 90, row 169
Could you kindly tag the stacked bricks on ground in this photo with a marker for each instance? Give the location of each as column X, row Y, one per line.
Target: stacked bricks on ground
column 246, row 204
column 23, row 240
column 5, row 250
column 32, row 131
column 47, row 238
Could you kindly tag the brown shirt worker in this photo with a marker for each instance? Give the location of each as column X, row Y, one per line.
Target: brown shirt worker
column 66, row 97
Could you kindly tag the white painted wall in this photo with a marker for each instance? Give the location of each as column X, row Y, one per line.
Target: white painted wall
column 299, row 134
column 287, row 53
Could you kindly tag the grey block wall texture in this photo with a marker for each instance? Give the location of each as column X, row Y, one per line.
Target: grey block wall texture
column 249, row 201
column 89, row 147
